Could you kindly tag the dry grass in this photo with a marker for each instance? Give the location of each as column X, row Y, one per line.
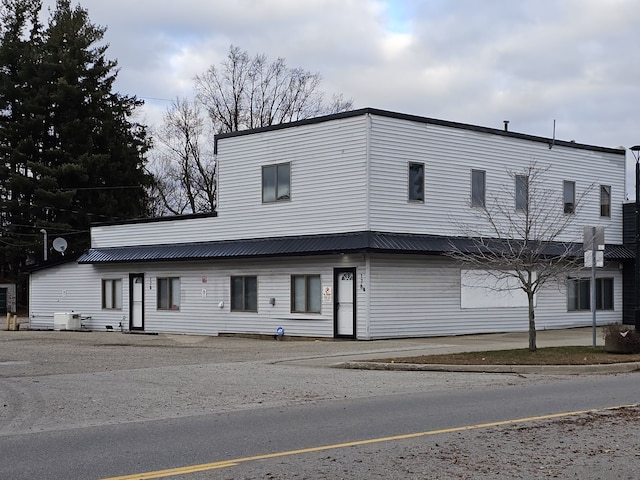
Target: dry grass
column 543, row 356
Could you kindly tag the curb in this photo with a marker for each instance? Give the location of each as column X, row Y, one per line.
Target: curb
column 601, row 369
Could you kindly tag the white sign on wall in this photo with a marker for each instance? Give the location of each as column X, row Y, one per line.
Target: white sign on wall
column 326, row 294
column 482, row 289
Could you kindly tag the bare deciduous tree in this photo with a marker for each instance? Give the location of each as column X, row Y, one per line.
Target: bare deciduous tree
column 184, row 166
column 242, row 93
column 246, row 92
column 517, row 241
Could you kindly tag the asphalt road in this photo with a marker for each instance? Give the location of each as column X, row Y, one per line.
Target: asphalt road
column 138, row 447
column 130, row 407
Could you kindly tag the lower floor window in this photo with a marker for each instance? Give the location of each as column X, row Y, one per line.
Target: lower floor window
column 579, row 294
column 244, row 294
column 169, row 293
column 112, row 294
column 306, row 294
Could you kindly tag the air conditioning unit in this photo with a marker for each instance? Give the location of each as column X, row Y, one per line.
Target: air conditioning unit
column 66, row 321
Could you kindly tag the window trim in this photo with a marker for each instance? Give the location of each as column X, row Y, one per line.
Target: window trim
column 420, row 198
column 482, row 197
column 278, row 196
column 170, row 293
column 605, row 208
column 522, row 198
column 307, row 293
column 244, row 307
column 116, row 293
column 603, row 302
column 569, row 208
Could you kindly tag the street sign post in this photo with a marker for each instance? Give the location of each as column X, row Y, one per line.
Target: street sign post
column 593, row 246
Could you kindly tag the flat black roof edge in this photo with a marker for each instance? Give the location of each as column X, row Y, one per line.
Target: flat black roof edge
column 169, row 218
column 416, row 118
column 55, row 262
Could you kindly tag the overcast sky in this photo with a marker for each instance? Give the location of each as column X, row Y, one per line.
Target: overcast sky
column 473, row 61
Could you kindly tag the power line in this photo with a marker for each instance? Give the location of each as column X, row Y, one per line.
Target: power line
column 118, row 187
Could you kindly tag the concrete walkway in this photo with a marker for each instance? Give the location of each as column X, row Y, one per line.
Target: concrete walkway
column 471, row 343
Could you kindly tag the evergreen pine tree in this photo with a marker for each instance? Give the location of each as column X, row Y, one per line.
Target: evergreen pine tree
column 72, row 153
column 20, row 43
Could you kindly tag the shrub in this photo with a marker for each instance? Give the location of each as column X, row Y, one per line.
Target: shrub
column 621, row 339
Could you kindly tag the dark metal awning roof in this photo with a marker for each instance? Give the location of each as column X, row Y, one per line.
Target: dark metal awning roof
column 353, row 242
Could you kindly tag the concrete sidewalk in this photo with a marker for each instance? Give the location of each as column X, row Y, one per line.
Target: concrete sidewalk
column 469, row 343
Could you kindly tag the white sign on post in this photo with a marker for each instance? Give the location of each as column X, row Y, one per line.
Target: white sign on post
column 588, row 255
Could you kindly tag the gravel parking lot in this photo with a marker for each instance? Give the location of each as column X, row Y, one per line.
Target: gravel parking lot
column 56, row 380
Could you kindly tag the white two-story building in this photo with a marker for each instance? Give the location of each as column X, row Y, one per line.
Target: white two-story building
column 339, row 226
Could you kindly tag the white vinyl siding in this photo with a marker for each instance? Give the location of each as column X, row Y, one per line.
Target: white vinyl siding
column 345, row 175
column 328, row 189
column 451, row 153
column 398, row 296
column 422, row 297
column 75, row 288
column 205, row 292
column 350, row 175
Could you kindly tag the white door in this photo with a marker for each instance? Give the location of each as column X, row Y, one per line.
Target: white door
column 344, row 303
column 137, row 304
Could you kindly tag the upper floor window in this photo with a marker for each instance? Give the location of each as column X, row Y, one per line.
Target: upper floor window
column 306, row 294
column 478, row 188
column 522, row 192
column 416, row 182
column 579, row 294
column 276, row 182
column 244, row 294
column 112, row 294
column 569, row 196
column 168, row 293
column 605, row 200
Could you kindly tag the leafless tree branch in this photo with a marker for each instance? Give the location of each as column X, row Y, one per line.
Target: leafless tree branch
column 522, row 243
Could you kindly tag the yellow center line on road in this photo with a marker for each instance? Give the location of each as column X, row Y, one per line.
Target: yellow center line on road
column 230, row 463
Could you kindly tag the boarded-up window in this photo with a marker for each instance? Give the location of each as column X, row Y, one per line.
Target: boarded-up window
column 491, row 289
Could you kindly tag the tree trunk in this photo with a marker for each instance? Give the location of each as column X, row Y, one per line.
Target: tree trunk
column 532, row 324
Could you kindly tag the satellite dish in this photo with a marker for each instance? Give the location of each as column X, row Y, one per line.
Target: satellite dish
column 60, row 245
